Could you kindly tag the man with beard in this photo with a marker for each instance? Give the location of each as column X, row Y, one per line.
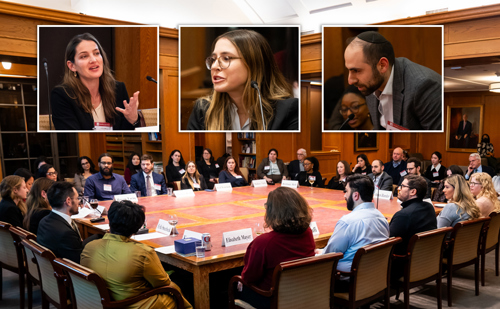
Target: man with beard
column 397, row 90
column 148, row 182
column 105, row 184
column 415, row 217
column 413, row 166
column 57, row 231
column 381, row 179
column 363, row 226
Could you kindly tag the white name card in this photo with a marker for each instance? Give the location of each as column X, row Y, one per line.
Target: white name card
column 223, row 187
column 191, row 234
column 314, row 228
column 184, row 193
column 294, row 184
column 126, row 197
column 164, row 227
column 237, row 237
column 382, row 194
column 259, row 183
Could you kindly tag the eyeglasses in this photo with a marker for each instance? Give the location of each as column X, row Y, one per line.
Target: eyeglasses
column 106, row 163
column 354, row 109
column 474, row 184
column 52, row 173
column 307, row 164
column 402, row 185
column 224, row 61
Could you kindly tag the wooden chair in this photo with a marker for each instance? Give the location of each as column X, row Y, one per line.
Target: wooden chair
column 31, row 268
column 44, row 122
column 464, row 249
column 11, row 258
column 90, row 290
column 303, row 283
column 491, row 243
column 244, row 171
column 370, row 266
column 53, row 281
column 423, row 262
column 150, row 116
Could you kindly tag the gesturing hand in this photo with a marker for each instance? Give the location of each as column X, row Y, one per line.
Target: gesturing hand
column 130, row 111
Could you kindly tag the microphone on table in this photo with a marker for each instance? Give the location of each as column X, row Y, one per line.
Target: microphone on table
column 44, row 60
column 256, row 86
column 151, row 79
column 349, row 118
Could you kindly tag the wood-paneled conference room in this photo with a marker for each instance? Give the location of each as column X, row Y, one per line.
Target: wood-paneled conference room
column 471, row 54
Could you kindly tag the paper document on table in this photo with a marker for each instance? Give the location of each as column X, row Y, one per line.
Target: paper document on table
column 166, row 250
column 148, row 236
column 104, row 227
column 82, row 213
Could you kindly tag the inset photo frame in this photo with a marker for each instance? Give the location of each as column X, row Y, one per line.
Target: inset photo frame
column 464, row 127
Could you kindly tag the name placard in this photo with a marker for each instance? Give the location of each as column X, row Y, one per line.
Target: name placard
column 294, row 184
column 183, row 193
column 237, row 237
column 191, row 234
column 223, row 187
column 259, row 183
column 164, row 227
column 314, row 228
column 382, row 194
column 125, row 197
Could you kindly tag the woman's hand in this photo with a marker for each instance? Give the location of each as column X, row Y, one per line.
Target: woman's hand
column 130, row 111
column 268, row 179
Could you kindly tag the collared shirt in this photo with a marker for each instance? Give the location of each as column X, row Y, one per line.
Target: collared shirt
column 301, row 166
column 376, row 180
column 64, row 216
column 236, row 119
column 97, row 186
column 385, row 107
column 273, row 168
column 476, row 170
column 151, row 181
column 437, row 167
column 363, row 226
column 395, row 164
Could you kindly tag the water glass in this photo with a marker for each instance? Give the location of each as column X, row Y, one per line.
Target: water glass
column 200, row 250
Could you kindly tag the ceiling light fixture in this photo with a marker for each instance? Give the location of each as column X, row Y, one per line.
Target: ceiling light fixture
column 495, row 87
column 6, row 65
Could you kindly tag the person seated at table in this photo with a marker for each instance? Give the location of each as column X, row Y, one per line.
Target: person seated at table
column 105, row 184
column 438, row 195
column 311, row 176
column 461, row 204
column 435, row 172
column 47, row 171
column 380, row 178
column 338, row 181
column 12, row 207
column 175, row 167
column 483, row 191
column 297, row 166
column 231, row 173
column 362, row 166
column 209, row 168
column 288, row 215
column 26, row 174
column 272, row 169
column 129, row 268
column 86, row 168
column 148, row 182
column 192, row 179
column 37, row 204
column 133, row 167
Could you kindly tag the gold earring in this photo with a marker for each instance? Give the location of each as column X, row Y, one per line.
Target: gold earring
column 74, row 73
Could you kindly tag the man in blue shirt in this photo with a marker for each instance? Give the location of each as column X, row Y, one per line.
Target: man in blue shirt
column 363, row 226
column 105, row 184
column 397, row 167
column 476, row 167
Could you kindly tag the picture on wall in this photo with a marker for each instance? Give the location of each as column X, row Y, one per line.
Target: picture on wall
column 464, row 127
column 366, row 141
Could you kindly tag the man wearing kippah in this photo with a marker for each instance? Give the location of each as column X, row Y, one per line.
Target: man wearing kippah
column 400, row 94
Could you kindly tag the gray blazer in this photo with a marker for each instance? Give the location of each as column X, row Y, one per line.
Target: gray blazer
column 385, row 183
column 417, row 98
column 265, row 162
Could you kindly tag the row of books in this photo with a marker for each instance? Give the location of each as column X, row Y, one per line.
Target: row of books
column 248, row 162
column 249, row 148
column 154, row 136
column 246, row 135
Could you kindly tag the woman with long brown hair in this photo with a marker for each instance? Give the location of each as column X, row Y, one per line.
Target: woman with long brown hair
column 37, row 204
column 89, row 97
column 192, row 179
column 231, row 173
column 241, row 62
column 481, row 187
column 12, row 207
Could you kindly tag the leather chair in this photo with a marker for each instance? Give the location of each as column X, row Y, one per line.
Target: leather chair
column 11, row 257
column 491, row 243
column 303, row 283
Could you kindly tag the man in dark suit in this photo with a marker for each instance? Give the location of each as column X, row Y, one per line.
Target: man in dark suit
column 464, row 131
column 413, row 166
column 476, row 167
column 397, row 167
column 57, row 231
column 148, row 182
column 297, row 166
column 400, row 94
column 381, row 179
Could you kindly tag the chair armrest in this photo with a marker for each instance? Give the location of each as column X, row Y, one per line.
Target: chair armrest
column 399, row 256
column 160, row 290
column 343, row 273
column 236, row 279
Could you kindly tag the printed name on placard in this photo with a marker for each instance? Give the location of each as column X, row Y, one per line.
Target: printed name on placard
column 223, row 187
column 259, row 183
column 125, row 197
column 294, row 184
column 164, row 227
column 314, row 228
column 382, row 194
column 237, row 237
column 183, row 193
column 191, row 234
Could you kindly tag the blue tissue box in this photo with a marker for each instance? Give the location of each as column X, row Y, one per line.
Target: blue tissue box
column 186, row 246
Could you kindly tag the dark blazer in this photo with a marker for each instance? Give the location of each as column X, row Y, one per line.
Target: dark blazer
column 294, row 169
column 441, row 173
column 336, row 184
column 225, row 177
column 266, row 162
column 385, row 183
column 395, row 173
column 208, row 171
column 416, row 98
column 468, row 128
column 67, row 114
column 173, row 174
column 286, row 115
column 185, row 184
column 138, row 183
column 304, row 179
column 57, row 235
column 10, row 213
column 486, row 169
column 35, row 219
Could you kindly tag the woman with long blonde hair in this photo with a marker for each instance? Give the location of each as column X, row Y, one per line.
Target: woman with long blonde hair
column 242, row 62
column 481, row 187
column 192, row 179
column 12, row 207
column 461, row 204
